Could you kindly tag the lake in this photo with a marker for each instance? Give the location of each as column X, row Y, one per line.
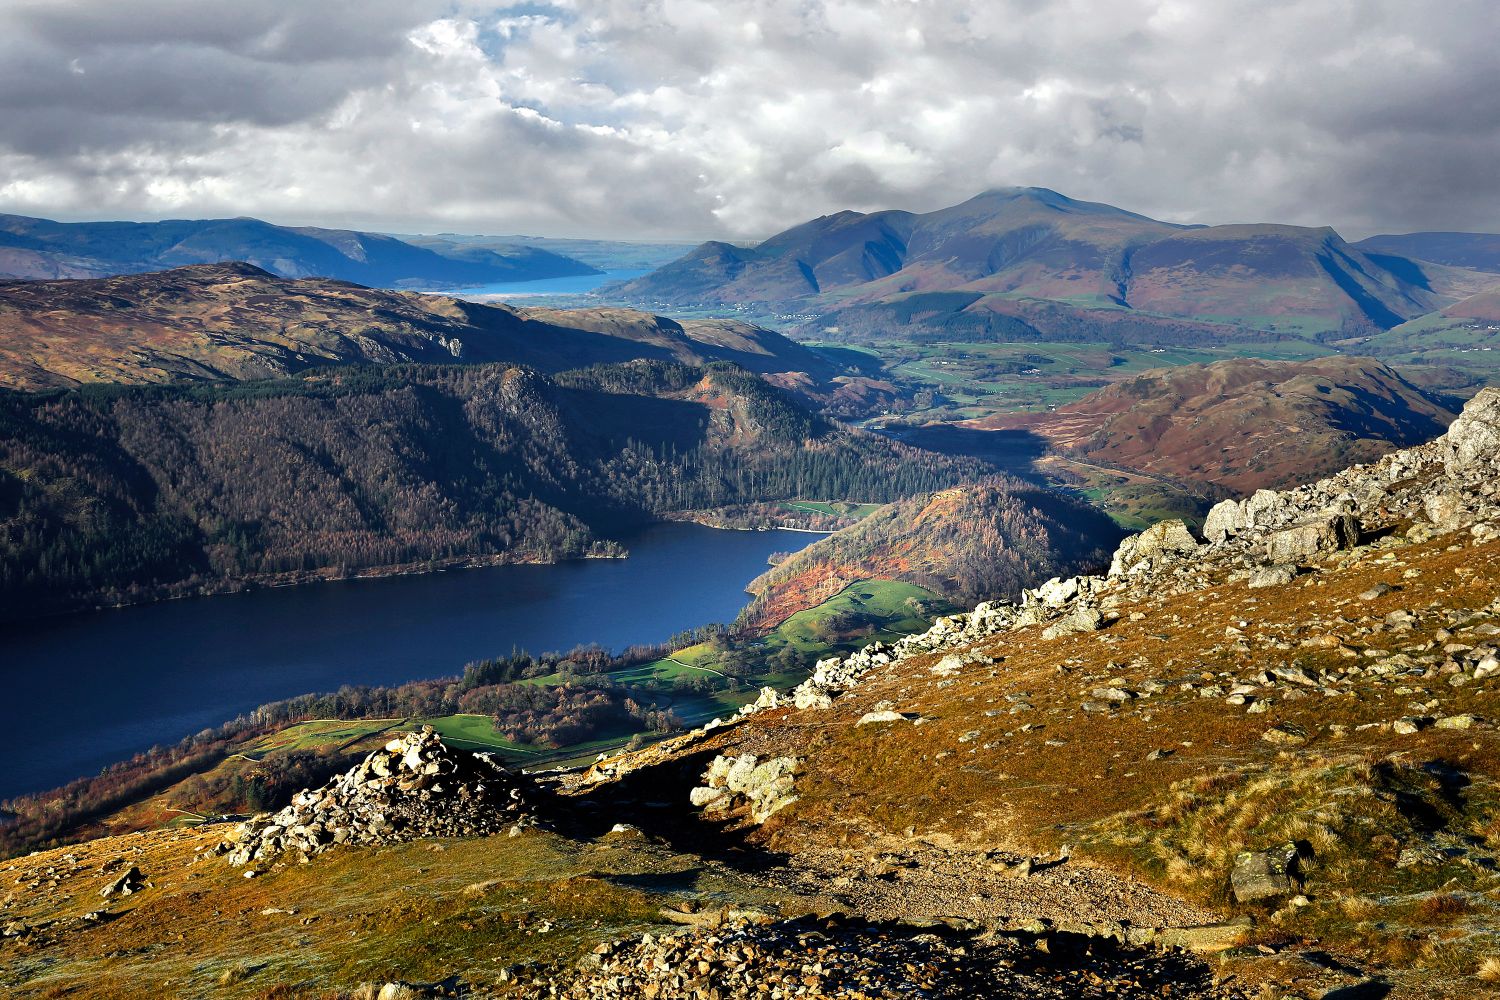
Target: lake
column 90, row 689
column 575, row 285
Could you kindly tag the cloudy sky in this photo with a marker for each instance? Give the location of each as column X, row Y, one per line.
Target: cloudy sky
column 735, row 118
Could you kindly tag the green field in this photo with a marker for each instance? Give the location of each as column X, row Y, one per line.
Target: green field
column 834, row 508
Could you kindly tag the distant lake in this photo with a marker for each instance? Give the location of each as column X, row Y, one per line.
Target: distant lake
column 576, row 285
column 90, row 689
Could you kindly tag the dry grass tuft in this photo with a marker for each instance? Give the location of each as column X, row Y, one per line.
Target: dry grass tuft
column 1489, row 969
column 1444, row 906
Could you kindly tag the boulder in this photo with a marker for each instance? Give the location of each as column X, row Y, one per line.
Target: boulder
column 1310, row 539
column 885, row 715
column 1162, row 540
column 1272, row 576
column 1445, row 510
column 766, row 787
column 1264, row 875
column 1475, row 436
column 1056, row 592
column 1080, row 621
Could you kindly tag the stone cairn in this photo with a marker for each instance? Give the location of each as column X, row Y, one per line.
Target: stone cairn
column 412, row 787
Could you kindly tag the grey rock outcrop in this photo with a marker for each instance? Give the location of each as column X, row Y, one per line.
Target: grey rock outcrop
column 1313, row 538
column 1141, row 552
column 765, row 787
column 1474, row 438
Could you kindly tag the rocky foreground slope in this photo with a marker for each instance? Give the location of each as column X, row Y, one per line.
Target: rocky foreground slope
column 1257, row 764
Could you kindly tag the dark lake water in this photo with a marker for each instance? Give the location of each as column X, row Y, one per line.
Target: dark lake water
column 87, row 690
column 574, row 285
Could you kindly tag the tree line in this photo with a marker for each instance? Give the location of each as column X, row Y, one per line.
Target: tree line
column 123, row 494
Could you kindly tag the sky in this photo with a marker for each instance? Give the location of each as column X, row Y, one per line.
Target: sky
column 697, row 119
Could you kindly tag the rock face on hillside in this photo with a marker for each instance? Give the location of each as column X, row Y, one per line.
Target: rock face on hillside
column 1447, row 485
column 413, row 787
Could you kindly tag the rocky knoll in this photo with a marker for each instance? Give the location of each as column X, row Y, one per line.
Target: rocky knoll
column 414, row 786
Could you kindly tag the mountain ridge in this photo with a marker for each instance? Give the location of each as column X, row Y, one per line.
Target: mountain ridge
column 33, row 248
column 1012, row 246
column 237, row 321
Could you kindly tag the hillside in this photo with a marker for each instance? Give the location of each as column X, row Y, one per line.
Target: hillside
column 1308, row 281
column 1260, row 765
column 236, row 321
column 963, row 544
column 40, row 248
column 1243, row 424
column 111, row 494
column 1030, row 262
column 1477, row 251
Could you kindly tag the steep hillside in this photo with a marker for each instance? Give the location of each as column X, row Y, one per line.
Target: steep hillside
column 1291, row 724
column 1310, row 280
column 1031, row 262
column 1261, row 765
column 41, row 248
column 1477, row 251
column 235, row 321
column 114, row 494
column 1244, row 424
column 964, row 544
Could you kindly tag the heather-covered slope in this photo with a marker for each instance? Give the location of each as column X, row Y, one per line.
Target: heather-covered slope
column 235, row 321
column 1244, row 424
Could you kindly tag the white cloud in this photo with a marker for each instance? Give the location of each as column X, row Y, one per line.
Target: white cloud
column 739, row 117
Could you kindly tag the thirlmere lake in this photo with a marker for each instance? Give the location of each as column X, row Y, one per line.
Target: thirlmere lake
column 86, row 690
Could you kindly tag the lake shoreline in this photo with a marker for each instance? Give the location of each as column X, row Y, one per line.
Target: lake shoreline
column 142, row 675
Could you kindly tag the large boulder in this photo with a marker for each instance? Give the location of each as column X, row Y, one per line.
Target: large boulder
column 1475, row 436
column 1165, row 539
column 1313, row 538
column 1264, row 875
column 766, row 787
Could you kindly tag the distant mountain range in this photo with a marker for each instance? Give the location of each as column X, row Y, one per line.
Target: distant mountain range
column 39, row 248
column 1476, row 251
column 1031, row 262
column 210, row 322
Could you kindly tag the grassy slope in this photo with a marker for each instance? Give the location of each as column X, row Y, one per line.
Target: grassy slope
column 1053, row 774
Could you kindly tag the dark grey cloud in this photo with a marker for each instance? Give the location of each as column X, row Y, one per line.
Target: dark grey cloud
column 701, row 118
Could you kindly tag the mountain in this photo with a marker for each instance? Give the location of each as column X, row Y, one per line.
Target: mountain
column 1259, row 766
column 236, row 321
column 1027, row 240
column 1477, row 251
column 964, row 544
column 114, row 494
column 1245, row 424
column 40, row 248
column 1029, row 262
